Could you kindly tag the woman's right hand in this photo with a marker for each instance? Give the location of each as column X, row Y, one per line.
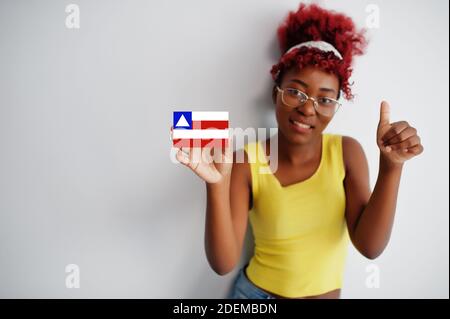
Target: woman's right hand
column 212, row 165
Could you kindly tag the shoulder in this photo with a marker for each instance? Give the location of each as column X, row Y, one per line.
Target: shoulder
column 241, row 164
column 247, row 159
column 350, row 143
column 353, row 152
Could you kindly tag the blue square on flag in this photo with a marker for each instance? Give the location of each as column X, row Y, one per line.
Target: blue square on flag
column 182, row 120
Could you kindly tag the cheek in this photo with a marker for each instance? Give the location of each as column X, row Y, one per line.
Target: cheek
column 322, row 123
column 281, row 116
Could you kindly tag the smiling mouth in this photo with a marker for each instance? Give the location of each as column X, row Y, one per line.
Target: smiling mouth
column 301, row 125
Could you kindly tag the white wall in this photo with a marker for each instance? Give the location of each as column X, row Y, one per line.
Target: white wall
column 85, row 175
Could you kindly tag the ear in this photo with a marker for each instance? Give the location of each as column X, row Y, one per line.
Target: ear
column 274, row 94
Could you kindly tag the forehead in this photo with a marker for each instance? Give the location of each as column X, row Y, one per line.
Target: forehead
column 312, row 76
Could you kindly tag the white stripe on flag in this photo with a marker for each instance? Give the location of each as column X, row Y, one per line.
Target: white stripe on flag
column 204, row 134
column 210, row 116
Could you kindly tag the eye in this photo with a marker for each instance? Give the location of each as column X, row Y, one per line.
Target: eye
column 298, row 94
column 326, row 101
column 293, row 92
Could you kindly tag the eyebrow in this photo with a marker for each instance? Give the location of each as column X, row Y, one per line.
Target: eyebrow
column 306, row 86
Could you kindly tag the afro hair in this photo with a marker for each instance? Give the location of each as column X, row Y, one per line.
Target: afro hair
column 313, row 23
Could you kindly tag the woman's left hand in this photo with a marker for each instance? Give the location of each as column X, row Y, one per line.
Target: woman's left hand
column 398, row 141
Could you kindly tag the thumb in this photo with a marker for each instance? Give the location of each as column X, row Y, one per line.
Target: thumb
column 385, row 111
column 228, row 153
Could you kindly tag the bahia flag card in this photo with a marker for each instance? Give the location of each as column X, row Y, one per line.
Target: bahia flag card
column 200, row 129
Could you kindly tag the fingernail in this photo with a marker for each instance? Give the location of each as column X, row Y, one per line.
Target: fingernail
column 388, row 149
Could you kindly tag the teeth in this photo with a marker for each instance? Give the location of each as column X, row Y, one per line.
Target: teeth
column 301, row 124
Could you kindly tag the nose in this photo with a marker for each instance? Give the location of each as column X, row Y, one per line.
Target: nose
column 307, row 108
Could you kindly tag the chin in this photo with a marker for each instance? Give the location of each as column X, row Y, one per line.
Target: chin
column 298, row 138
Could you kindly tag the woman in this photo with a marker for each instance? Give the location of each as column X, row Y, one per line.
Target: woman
column 304, row 214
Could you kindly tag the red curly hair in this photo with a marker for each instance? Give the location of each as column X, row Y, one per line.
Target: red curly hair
column 313, row 23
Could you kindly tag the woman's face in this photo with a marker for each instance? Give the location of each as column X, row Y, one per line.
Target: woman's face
column 315, row 83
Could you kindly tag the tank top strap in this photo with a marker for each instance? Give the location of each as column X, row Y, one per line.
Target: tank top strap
column 334, row 154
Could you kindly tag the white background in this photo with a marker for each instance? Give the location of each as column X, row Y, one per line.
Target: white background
column 85, row 174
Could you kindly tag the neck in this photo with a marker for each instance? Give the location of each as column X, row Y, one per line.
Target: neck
column 298, row 153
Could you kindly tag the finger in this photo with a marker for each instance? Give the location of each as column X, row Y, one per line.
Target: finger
column 182, row 157
column 416, row 149
column 405, row 144
column 195, row 156
column 186, row 150
column 396, row 129
column 190, row 154
column 402, row 136
column 228, row 154
column 208, row 154
column 385, row 111
column 217, row 154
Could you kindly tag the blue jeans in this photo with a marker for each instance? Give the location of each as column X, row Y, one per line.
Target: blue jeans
column 243, row 288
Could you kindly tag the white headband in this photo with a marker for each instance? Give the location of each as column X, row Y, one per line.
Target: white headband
column 321, row 45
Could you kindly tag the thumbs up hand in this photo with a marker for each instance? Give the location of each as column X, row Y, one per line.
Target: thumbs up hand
column 398, row 141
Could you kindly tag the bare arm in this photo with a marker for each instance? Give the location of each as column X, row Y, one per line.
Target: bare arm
column 370, row 216
column 228, row 192
column 226, row 219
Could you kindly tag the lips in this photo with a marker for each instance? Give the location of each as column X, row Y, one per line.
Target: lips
column 301, row 123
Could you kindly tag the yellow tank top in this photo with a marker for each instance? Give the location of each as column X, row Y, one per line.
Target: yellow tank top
column 300, row 232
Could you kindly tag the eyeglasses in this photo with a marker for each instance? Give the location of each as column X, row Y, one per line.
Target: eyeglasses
column 325, row 106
